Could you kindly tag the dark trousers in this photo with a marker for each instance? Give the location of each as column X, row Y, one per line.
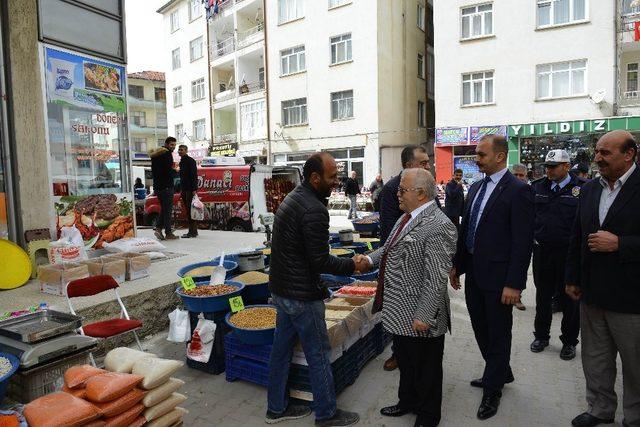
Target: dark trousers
column 187, row 198
column 548, row 275
column 165, row 197
column 420, row 363
column 491, row 321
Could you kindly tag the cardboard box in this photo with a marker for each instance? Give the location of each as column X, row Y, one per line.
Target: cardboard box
column 137, row 265
column 54, row 278
column 114, row 267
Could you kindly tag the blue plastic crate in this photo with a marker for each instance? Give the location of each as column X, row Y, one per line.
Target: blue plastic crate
column 235, row 347
column 240, row 368
column 344, row 371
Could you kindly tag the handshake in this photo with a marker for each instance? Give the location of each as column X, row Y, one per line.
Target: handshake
column 362, row 264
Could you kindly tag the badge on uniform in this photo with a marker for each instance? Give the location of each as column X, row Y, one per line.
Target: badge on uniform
column 575, row 191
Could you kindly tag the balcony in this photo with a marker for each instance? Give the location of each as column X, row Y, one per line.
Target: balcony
column 146, row 103
column 226, row 95
column 250, row 36
column 223, row 47
column 229, row 138
column 138, row 129
column 251, row 87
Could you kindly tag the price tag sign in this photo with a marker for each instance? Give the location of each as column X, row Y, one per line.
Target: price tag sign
column 369, row 246
column 236, row 304
column 188, row 283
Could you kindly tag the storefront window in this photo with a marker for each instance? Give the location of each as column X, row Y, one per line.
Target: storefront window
column 579, row 147
column 349, row 160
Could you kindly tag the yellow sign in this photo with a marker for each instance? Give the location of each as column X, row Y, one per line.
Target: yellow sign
column 236, row 304
column 188, row 283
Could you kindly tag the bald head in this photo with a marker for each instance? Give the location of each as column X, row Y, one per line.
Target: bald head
column 321, row 172
column 615, row 153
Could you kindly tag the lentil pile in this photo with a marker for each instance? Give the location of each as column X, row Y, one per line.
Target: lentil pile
column 200, row 271
column 5, row 366
column 210, row 290
column 252, row 278
column 255, row 318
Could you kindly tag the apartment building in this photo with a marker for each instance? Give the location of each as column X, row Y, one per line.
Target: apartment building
column 147, row 113
column 544, row 73
column 187, row 75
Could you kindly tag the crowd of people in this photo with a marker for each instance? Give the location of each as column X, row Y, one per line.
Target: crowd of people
column 582, row 235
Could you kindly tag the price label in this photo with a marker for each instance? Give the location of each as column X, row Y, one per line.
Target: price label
column 188, row 283
column 369, row 246
column 236, row 304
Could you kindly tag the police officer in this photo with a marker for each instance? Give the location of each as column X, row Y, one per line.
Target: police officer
column 556, row 202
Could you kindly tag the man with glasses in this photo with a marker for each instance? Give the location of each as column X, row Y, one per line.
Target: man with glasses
column 556, row 203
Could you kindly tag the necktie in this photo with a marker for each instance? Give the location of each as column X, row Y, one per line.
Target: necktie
column 475, row 210
column 556, row 188
column 377, row 302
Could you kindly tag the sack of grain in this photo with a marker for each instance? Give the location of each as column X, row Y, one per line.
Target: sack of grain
column 110, row 386
column 155, row 371
column 122, row 359
column 162, row 392
column 164, row 407
column 169, row 419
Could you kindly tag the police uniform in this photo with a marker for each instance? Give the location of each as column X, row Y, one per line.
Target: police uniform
column 555, row 211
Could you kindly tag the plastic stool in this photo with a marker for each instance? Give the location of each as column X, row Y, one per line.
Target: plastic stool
column 37, row 241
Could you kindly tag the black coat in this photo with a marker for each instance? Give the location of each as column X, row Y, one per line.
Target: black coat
column 555, row 212
column 188, row 174
column 162, row 168
column 300, row 247
column 504, row 236
column 454, row 201
column 608, row 280
column 352, row 188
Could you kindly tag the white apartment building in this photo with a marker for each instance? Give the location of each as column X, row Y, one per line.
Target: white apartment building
column 187, row 77
column 347, row 77
column 238, row 81
column 545, row 73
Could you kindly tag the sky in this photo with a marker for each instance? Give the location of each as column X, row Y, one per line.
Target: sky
column 145, row 40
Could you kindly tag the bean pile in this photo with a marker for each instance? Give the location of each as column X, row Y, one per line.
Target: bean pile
column 200, row 271
column 252, row 278
column 210, row 290
column 255, row 318
column 339, row 252
column 5, row 366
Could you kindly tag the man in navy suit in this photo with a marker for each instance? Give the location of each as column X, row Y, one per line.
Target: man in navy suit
column 494, row 251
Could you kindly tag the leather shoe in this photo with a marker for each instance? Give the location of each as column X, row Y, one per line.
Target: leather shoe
column 568, row 352
column 391, row 364
column 587, row 420
column 395, row 411
column 539, row 345
column 489, row 405
column 478, row 383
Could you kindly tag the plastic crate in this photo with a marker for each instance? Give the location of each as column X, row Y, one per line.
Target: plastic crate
column 241, row 368
column 26, row 386
column 344, row 371
column 235, row 347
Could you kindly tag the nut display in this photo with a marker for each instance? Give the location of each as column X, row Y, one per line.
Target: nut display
column 340, row 252
column 252, row 278
column 5, row 366
column 209, row 290
column 200, row 271
column 255, row 318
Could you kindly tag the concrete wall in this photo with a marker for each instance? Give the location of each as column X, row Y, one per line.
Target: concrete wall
column 30, row 146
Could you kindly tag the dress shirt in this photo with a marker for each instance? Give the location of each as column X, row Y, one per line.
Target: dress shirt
column 562, row 183
column 491, row 185
column 608, row 195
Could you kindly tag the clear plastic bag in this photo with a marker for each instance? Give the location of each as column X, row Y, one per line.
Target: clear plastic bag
column 179, row 326
column 197, row 209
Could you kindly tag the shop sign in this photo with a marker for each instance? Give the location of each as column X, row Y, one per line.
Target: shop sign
column 452, row 136
column 479, row 132
column 470, row 171
column 227, row 149
column 560, row 128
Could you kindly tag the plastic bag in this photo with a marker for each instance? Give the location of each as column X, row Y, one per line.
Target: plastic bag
column 135, row 244
column 201, row 345
column 169, row 419
column 155, row 371
column 179, row 326
column 122, row 359
column 110, row 386
column 159, row 394
column 164, row 407
column 59, row 410
column 126, row 418
column 120, row 405
column 197, row 209
column 77, row 376
column 72, row 235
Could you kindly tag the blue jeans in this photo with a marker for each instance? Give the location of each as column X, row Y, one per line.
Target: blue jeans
column 304, row 320
column 353, row 207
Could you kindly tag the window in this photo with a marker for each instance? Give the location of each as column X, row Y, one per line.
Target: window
column 139, row 145
column 179, row 131
column 477, row 88
column 175, row 21
column 292, row 60
column 136, row 91
column 336, row 3
column 198, row 130
column 421, row 66
column 195, row 49
column 195, row 9
column 177, row 96
column 421, row 115
column 161, row 120
column 139, row 118
column 342, row 105
column 340, row 49
column 160, row 94
column 430, row 74
column 197, row 89
column 290, row 10
column 252, row 120
column 632, row 77
column 160, row 142
column 477, row 21
column 629, row 7
column 558, row 12
column 421, row 17
column 175, row 59
column 294, row 112
column 562, row 79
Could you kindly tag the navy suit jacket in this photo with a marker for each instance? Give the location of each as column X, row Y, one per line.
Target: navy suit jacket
column 504, row 236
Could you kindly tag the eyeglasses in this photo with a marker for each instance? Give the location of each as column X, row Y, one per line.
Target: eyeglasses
column 401, row 190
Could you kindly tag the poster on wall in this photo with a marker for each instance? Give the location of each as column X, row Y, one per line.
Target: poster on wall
column 478, row 132
column 452, row 136
column 470, row 171
column 88, row 146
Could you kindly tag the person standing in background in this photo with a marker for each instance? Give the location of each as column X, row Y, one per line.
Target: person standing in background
column 376, row 188
column 163, row 176
column 188, row 187
column 454, row 198
column 352, row 189
column 520, row 172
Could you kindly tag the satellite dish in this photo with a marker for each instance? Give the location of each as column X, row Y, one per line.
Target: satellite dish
column 598, row 96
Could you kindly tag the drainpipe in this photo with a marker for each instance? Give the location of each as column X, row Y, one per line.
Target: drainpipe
column 211, row 123
column 266, row 84
column 617, row 25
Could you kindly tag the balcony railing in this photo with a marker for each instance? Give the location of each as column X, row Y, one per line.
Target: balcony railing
column 632, row 95
column 252, row 35
column 251, row 87
column 230, row 93
column 225, row 139
column 223, row 47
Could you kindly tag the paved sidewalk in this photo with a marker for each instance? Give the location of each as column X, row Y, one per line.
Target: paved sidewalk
column 547, row 392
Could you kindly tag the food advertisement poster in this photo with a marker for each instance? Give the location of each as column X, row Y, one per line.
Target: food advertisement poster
column 470, row 171
column 478, row 132
column 452, row 136
column 88, row 145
